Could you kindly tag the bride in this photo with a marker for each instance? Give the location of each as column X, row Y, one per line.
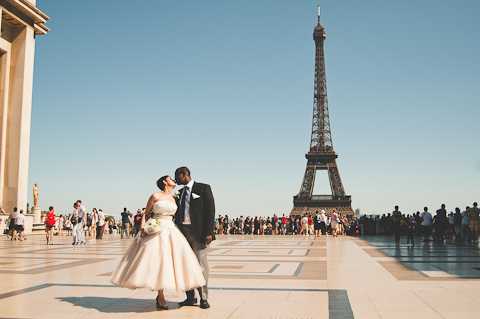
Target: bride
column 160, row 257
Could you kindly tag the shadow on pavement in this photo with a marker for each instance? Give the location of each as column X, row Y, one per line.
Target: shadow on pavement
column 116, row 305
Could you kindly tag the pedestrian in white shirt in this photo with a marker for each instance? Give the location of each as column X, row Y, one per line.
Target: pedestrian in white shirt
column 20, row 225
column 427, row 221
column 100, row 224
column 323, row 222
column 78, row 219
column 304, row 222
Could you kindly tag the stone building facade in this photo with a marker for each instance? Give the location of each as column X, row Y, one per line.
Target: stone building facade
column 21, row 22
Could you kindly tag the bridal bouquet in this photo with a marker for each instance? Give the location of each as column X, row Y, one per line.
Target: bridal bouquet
column 152, row 226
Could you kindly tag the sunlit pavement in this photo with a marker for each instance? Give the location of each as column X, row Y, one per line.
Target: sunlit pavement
column 250, row 277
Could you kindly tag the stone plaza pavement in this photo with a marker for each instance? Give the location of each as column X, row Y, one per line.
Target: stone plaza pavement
column 251, row 277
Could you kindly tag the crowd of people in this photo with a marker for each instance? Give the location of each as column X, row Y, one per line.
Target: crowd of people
column 85, row 225
column 16, row 224
column 317, row 224
column 95, row 224
column 459, row 226
column 81, row 224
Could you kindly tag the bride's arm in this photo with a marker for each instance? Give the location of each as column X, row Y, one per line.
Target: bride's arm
column 147, row 211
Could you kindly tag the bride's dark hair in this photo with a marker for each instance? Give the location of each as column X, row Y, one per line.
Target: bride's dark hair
column 160, row 181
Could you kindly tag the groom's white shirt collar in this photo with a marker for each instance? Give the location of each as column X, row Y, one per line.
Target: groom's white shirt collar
column 190, row 184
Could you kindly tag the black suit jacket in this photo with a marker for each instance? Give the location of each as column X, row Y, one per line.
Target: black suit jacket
column 202, row 211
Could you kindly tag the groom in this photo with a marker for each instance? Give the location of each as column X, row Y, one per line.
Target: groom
column 195, row 218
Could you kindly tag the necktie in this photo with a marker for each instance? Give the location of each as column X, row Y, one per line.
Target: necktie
column 183, row 203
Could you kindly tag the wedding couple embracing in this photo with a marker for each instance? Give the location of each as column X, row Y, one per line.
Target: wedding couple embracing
column 170, row 253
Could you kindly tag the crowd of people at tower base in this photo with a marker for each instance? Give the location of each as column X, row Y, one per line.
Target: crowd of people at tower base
column 317, row 224
column 458, row 227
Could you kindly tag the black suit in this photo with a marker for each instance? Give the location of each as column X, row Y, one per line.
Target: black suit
column 202, row 219
column 202, row 212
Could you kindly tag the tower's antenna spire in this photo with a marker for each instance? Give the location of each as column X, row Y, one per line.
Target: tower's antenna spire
column 318, row 13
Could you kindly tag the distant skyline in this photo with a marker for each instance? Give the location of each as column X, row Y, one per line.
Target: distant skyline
column 226, row 88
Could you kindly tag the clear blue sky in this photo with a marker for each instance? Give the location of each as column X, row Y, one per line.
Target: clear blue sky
column 125, row 92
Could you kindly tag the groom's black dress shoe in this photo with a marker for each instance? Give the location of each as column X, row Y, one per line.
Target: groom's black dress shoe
column 204, row 304
column 188, row 302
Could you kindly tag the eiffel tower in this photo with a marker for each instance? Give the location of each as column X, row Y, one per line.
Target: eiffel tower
column 321, row 156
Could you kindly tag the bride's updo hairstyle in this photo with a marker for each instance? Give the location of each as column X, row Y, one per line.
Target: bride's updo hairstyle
column 160, row 182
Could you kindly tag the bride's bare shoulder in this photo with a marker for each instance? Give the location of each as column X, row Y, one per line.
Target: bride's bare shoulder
column 155, row 196
column 160, row 195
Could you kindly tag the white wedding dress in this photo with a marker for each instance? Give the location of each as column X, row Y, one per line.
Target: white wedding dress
column 163, row 260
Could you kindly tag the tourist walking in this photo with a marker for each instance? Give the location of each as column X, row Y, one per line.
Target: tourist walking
column 310, row 224
column 427, row 221
column 466, row 233
column 334, row 222
column 88, row 224
column 61, row 225
column 220, row 225
column 323, row 222
column 100, row 225
column 78, row 222
column 68, row 226
column 304, row 229
column 11, row 224
column 92, row 229
column 49, row 225
column 397, row 217
column 125, row 231
column 284, row 225
column 275, row 229
column 457, row 224
column 474, row 222
column 410, row 231
column 74, row 223
column 440, row 224
column 137, row 222
column 256, row 226
column 20, row 225
column 316, row 224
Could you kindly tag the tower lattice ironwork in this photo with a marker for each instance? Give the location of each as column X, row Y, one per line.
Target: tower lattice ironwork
column 321, row 156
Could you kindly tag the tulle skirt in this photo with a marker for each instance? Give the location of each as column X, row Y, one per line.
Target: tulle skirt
column 163, row 260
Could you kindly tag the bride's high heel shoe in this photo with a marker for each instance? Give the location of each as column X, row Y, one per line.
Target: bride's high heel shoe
column 161, row 306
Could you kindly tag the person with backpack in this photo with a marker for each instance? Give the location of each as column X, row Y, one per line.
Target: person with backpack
column 125, row 229
column 49, row 225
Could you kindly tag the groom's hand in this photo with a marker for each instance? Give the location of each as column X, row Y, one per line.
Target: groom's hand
column 209, row 239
